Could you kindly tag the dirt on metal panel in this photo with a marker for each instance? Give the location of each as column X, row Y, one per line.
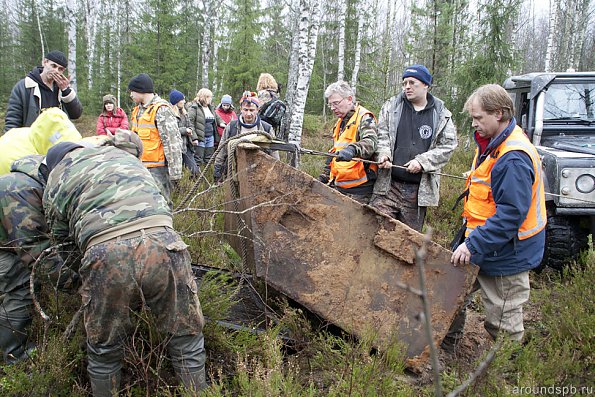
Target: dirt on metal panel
column 343, row 260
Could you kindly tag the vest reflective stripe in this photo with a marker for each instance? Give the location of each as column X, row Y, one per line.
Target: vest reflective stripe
column 146, row 128
column 348, row 174
column 480, row 205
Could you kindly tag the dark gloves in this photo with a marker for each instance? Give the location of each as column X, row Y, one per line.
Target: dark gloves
column 324, row 178
column 346, row 154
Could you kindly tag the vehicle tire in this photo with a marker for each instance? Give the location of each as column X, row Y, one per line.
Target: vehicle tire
column 565, row 238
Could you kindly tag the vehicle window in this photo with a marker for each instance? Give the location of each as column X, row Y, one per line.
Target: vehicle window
column 568, row 101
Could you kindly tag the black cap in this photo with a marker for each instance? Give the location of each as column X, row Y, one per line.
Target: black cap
column 141, row 83
column 58, row 57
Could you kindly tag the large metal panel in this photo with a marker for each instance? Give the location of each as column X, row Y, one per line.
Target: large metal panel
column 343, row 260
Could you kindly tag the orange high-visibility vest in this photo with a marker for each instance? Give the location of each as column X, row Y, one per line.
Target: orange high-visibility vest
column 146, row 128
column 347, row 174
column 480, row 205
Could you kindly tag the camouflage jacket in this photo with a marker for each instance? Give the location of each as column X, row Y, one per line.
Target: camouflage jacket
column 23, row 228
column 444, row 142
column 169, row 132
column 92, row 190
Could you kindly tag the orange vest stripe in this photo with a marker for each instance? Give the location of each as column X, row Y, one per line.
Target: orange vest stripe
column 480, row 205
column 348, row 174
column 146, row 128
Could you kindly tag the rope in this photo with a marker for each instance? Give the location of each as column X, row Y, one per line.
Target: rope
column 326, row 154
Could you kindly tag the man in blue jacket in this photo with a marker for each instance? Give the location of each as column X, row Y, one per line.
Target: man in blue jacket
column 504, row 212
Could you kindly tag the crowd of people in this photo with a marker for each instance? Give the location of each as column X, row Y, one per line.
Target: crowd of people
column 110, row 198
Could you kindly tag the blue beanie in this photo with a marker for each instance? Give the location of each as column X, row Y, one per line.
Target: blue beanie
column 419, row 72
column 175, row 96
column 226, row 100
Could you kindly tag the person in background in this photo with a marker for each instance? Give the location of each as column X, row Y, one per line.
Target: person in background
column 354, row 135
column 249, row 121
column 189, row 138
column 225, row 110
column 272, row 108
column 267, row 88
column 417, row 135
column 204, row 121
column 111, row 117
column 157, row 126
column 44, row 87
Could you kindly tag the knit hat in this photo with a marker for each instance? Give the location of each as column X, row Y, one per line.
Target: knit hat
column 175, row 96
column 419, row 72
column 58, row 57
column 226, row 100
column 109, row 98
column 250, row 97
column 141, row 83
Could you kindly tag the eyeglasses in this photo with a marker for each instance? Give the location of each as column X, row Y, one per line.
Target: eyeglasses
column 412, row 83
column 336, row 103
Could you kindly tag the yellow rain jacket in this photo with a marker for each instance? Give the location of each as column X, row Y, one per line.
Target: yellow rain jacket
column 52, row 126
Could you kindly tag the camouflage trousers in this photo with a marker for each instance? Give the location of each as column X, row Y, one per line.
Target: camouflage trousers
column 400, row 203
column 14, row 285
column 161, row 176
column 150, row 266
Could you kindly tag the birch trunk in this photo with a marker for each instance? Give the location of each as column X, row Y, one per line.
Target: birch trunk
column 308, row 36
column 341, row 55
column 91, row 14
column 292, row 75
column 358, row 50
column 206, row 51
column 41, row 39
column 71, row 12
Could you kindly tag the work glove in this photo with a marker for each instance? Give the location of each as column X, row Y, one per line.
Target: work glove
column 345, row 154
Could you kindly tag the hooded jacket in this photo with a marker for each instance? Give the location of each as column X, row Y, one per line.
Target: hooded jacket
column 25, row 102
column 51, row 127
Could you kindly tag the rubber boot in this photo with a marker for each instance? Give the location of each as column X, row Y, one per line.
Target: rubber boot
column 105, row 385
column 193, row 381
column 104, row 368
column 13, row 339
column 188, row 359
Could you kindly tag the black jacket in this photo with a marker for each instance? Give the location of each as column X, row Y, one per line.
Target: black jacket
column 24, row 103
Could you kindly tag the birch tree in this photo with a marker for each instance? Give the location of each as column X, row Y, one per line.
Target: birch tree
column 550, row 37
column 71, row 12
column 309, row 24
column 91, row 14
column 341, row 54
column 358, row 49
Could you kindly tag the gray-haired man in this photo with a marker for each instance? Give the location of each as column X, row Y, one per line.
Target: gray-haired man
column 354, row 135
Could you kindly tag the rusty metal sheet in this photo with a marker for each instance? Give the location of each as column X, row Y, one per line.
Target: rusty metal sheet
column 343, row 260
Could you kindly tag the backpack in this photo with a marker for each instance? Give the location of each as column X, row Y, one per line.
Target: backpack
column 273, row 112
